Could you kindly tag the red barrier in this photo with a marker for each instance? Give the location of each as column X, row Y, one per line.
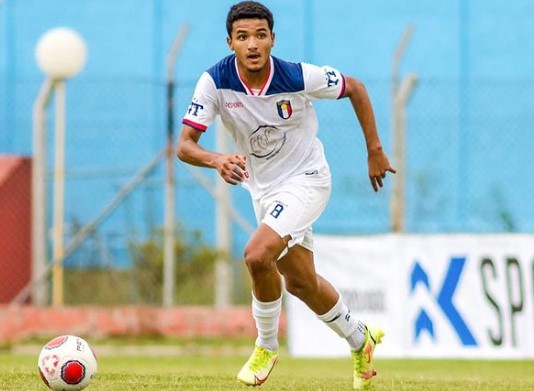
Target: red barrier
column 15, row 225
column 18, row 323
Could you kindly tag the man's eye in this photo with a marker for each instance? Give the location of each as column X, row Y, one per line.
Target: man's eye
column 261, row 35
column 241, row 37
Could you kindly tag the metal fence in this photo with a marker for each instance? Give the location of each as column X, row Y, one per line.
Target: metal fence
column 467, row 170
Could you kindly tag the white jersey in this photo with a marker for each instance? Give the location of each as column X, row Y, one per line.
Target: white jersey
column 274, row 127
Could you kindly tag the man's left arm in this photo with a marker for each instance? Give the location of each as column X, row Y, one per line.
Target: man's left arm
column 377, row 161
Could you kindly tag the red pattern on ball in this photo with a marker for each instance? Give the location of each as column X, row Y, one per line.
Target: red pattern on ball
column 72, row 372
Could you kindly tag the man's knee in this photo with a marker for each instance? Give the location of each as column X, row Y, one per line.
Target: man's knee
column 259, row 258
column 263, row 250
column 300, row 286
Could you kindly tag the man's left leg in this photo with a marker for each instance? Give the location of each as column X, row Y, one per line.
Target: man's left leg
column 302, row 281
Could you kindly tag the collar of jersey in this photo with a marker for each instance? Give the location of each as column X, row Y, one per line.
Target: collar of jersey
column 265, row 86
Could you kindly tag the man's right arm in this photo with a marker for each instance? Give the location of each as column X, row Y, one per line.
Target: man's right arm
column 231, row 167
column 190, row 152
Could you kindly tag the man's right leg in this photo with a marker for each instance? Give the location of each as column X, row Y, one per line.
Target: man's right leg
column 261, row 254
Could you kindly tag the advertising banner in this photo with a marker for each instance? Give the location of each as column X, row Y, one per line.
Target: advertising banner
column 446, row 296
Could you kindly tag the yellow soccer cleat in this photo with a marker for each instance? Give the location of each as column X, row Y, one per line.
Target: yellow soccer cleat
column 258, row 367
column 363, row 359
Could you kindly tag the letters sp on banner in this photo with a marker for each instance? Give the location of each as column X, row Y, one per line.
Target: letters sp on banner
column 442, row 295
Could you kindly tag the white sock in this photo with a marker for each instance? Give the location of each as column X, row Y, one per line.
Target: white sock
column 267, row 317
column 339, row 319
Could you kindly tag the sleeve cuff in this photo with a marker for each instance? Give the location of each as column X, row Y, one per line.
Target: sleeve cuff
column 194, row 125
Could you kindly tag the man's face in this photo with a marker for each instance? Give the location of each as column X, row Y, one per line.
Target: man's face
column 252, row 41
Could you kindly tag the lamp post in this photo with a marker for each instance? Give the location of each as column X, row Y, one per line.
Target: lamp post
column 60, row 54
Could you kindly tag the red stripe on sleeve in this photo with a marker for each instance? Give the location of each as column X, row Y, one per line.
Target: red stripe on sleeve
column 342, row 93
column 200, row 127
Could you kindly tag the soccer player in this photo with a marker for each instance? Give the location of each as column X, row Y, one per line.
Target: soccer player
column 266, row 105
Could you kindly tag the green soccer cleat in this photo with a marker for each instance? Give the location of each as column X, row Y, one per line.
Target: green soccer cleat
column 363, row 359
column 258, row 367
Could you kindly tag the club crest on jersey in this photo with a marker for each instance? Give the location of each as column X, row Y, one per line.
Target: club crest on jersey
column 284, row 109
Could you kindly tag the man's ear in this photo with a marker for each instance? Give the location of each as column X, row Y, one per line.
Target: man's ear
column 272, row 45
column 230, row 44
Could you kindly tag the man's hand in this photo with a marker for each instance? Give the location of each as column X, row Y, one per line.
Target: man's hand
column 231, row 167
column 378, row 166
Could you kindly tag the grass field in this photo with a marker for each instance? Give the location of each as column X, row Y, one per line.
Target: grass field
column 217, row 372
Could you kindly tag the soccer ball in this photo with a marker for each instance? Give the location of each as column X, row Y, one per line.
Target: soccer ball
column 67, row 363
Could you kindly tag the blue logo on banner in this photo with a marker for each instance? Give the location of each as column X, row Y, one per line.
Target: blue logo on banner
column 444, row 298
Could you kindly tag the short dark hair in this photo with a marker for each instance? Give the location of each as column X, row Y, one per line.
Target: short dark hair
column 248, row 10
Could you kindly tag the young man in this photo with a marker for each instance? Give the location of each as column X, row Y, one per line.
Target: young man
column 265, row 103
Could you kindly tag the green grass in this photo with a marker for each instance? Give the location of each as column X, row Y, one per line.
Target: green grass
column 217, row 372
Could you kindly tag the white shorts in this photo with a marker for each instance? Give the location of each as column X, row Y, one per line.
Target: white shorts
column 293, row 207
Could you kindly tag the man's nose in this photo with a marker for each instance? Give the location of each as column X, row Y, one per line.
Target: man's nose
column 252, row 43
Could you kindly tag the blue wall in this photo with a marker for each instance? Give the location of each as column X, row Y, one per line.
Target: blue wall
column 469, row 121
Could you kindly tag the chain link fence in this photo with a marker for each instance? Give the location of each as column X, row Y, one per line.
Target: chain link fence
column 468, row 153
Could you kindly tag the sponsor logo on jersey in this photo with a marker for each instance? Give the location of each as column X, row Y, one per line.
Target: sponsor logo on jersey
column 194, row 108
column 332, row 78
column 234, row 105
column 284, row 109
column 267, row 141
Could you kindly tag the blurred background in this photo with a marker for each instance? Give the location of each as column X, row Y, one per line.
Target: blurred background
column 464, row 127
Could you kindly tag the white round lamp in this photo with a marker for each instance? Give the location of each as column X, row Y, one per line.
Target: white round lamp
column 61, row 53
